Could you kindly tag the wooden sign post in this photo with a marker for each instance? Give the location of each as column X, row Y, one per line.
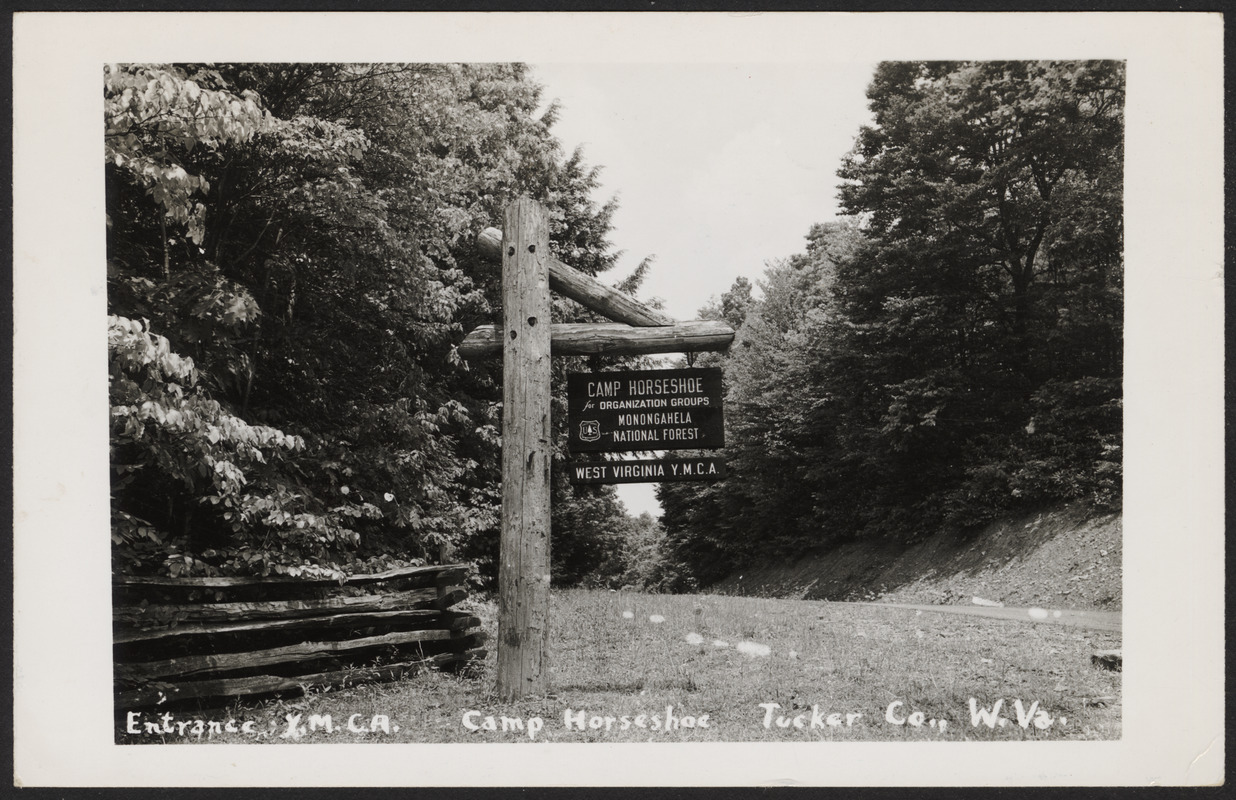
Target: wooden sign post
column 525, row 338
column 527, row 448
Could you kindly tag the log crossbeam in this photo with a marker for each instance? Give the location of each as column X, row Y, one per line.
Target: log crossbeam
column 612, row 338
column 583, row 289
column 636, row 329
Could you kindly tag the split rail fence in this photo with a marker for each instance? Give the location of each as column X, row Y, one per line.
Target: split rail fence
column 183, row 638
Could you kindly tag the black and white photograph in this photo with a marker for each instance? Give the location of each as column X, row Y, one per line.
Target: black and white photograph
column 685, row 386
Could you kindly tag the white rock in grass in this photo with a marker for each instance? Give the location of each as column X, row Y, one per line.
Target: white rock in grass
column 628, row 615
column 694, row 638
column 793, row 654
column 656, row 619
column 753, row 649
column 720, row 643
column 1037, row 613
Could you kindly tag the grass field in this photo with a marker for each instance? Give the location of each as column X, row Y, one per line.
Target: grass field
column 760, row 669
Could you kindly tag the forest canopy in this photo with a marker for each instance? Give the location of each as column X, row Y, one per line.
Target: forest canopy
column 951, row 350
column 291, row 264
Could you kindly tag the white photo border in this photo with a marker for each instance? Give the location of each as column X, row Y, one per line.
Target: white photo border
column 1173, row 690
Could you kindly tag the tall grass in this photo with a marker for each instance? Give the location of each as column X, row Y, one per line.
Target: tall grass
column 622, row 654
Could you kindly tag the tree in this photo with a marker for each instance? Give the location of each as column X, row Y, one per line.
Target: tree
column 735, row 302
column 773, row 405
column 976, row 185
column 952, row 351
column 305, row 234
column 187, row 453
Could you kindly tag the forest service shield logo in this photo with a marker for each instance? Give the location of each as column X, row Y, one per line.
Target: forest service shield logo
column 589, row 430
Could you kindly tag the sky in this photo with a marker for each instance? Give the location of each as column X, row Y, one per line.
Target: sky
column 718, row 168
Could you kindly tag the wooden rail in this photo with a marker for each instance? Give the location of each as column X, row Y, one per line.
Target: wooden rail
column 305, row 651
column 429, row 573
column 408, row 617
column 273, row 609
column 178, row 648
column 156, row 694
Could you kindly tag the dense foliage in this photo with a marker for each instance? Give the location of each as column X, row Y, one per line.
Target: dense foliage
column 950, row 352
column 291, row 264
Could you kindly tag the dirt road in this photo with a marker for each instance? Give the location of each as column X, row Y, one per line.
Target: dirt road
column 1098, row 620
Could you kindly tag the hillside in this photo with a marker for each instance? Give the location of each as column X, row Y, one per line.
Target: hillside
column 1064, row 558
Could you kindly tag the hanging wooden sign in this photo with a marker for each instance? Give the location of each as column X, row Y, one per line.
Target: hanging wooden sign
column 661, row 409
column 664, row 470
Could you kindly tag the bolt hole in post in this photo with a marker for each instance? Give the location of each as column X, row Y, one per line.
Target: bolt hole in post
column 513, row 335
column 531, row 322
column 510, row 251
column 531, row 248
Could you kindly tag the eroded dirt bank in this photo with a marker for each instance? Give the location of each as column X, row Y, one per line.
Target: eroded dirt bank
column 1064, row 558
